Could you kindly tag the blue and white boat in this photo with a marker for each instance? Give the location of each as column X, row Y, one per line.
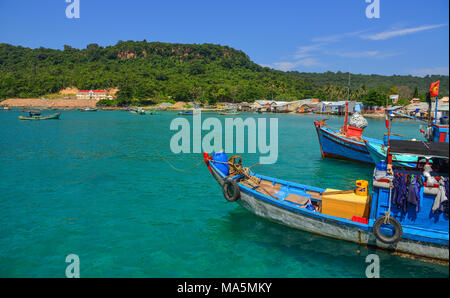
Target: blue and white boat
column 186, row 113
column 379, row 152
column 334, row 144
column 346, row 215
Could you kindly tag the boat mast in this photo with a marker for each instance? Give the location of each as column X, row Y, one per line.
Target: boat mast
column 428, row 133
column 346, row 104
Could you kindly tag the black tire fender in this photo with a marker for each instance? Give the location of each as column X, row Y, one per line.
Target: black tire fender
column 398, row 231
column 231, row 190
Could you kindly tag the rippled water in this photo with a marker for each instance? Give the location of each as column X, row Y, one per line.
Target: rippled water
column 95, row 185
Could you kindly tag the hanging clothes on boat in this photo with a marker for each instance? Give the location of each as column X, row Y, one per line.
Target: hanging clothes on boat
column 408, row 189
column 415, row 188
column 400, row 191
column 441, row 200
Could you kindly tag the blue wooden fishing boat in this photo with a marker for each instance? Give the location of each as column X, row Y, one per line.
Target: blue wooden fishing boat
column 436, row 133
column 346, row 215
column 186, row 113
column 378, row 152
column 343, row 145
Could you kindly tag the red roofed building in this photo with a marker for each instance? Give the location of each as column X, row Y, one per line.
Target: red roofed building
column 93, row 94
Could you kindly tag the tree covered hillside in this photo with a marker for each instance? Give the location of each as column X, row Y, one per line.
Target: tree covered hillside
column 146, row 71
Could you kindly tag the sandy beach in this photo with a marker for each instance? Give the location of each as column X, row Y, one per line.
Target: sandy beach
column 49, row 103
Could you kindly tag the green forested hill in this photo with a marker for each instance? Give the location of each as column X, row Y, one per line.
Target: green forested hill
column 373, row 81
column 152, row 70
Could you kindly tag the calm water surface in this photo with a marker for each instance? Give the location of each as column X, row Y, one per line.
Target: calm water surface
column 95, row 184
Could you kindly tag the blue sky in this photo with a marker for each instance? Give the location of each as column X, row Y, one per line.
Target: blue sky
column 410, row 37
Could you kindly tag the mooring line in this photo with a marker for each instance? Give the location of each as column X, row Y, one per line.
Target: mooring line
column 182, row 170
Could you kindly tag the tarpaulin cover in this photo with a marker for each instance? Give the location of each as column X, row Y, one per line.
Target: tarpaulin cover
column 430, row 149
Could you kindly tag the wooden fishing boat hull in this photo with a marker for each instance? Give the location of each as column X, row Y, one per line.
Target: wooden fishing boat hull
column 378, row 153
column 228, row 114
column 48, row 117
column 336, row 146
column 329, row 226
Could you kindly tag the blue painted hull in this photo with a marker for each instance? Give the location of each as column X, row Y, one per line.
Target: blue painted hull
column 440, row 133
column 336, row 146
column 398, row 160
column 430, row 244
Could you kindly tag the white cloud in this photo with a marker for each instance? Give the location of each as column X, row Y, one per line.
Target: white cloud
column 308, row 62
column 305, row 51
column 306, row 55
column 394, row 33
column 286, row 66
column 337, row 37
column 438, row 70
column 362, row 54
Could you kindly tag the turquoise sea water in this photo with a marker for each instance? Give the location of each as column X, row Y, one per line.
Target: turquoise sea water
column 95, row 185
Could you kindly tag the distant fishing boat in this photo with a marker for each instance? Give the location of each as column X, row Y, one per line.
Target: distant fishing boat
column 186, row 113
column 36, row 115
column 232, row 113
column 346, row 215
column 88, row 109
column 137, row 111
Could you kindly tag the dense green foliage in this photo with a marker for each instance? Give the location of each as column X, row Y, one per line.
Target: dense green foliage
column 146, row 72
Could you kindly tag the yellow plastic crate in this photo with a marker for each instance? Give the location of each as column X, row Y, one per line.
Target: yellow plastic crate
column 345, row 205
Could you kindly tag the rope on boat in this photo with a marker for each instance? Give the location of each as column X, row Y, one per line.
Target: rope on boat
column 388, row 213
column 181, row 170
column 239, row 169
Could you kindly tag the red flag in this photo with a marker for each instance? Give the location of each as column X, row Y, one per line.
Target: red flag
column 387, row 122
column 434, row 89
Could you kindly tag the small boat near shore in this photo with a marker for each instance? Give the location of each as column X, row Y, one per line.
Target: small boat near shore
column 231, row 113
column 186, row 113
column 88, row 109
column 36, row 115
column 417, row 228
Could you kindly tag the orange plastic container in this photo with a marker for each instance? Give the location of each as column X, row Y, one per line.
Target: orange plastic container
column 354, row 131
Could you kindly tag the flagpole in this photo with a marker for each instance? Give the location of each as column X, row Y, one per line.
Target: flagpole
column 435, row 110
